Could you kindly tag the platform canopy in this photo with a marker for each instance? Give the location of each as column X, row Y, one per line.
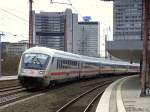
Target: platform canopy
column 129, row 50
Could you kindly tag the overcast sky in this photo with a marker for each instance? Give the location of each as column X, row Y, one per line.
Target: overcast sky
column 14, row 15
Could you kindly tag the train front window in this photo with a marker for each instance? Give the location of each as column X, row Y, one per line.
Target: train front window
column 35, row 61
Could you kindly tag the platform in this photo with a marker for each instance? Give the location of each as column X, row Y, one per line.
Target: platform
column 124, row 96
column 8, row 77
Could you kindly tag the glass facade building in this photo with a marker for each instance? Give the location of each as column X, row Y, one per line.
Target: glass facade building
column 127, row 20
column 127, row 41
column 55, row 30
column 89, row 42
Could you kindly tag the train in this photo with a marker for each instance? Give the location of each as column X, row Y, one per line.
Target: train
column 41, row 67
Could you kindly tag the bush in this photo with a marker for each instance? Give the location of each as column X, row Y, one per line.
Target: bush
column 10, row 65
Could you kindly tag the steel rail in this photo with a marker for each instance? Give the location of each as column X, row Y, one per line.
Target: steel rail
column 76, row 98
column 3, row 94
column 95, row 98
column 10, row 88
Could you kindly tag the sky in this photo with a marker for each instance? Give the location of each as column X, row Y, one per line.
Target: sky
column 14, row 15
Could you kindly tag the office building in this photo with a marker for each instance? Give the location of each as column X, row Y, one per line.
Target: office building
column 57, row 30
column 127, row 18
column 89, row 38
column 127, row 41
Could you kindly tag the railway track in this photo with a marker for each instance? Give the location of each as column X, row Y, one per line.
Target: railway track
column 9, row 83
column 10, row 94
column 11, row 91
column 10, row 88
column 84, row 102
column 16, row 93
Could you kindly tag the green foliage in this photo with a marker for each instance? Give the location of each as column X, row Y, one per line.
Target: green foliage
column 10, row 65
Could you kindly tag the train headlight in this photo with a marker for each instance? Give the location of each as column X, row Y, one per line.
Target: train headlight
column 41, row 72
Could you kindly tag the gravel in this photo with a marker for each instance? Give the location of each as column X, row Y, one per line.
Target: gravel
column 52, row 99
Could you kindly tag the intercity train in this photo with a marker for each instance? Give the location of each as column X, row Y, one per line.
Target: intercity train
column 41, row 67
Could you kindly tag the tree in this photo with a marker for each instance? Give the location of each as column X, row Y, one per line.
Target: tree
column 10, row 65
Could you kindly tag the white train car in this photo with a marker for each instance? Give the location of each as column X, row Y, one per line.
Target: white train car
column 41, row 66
column 118, row 67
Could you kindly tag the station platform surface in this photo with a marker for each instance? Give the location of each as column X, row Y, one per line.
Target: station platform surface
column 8, row 77
column 124, row 96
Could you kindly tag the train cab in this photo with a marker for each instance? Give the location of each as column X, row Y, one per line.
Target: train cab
column 33, row 69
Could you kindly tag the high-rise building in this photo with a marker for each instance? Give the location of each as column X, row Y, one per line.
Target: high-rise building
column 57, row 30
column 89, row 39
column 127, row 16
column 127, row 41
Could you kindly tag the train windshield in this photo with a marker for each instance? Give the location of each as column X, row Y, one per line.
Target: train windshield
column 35, row 61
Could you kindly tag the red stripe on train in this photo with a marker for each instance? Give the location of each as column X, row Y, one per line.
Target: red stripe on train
column 63, row 73
column 57, row 73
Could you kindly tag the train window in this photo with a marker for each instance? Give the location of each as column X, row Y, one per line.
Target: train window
column 78, row 64
column 35, row 61
column 61, row 65
column 52, row 60
column 64, row 61
column 57, row 63
column 70, row 62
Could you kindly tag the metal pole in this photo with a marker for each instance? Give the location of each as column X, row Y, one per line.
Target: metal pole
column 145, row 49
column 141, row 66
column 65, row 35
column 30, row 24
column 1, row 53
column 105, row 46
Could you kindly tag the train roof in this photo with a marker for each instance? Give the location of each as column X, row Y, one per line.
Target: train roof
column 58, row 53
column 52, row 52
column 114, row 62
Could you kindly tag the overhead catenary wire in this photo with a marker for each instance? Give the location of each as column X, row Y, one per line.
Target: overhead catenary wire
column 65, row 3
column 13, row 19
column 13, row 10
column 69, row 3
column 13, row 15
column 13, row 34
column 75, row 9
